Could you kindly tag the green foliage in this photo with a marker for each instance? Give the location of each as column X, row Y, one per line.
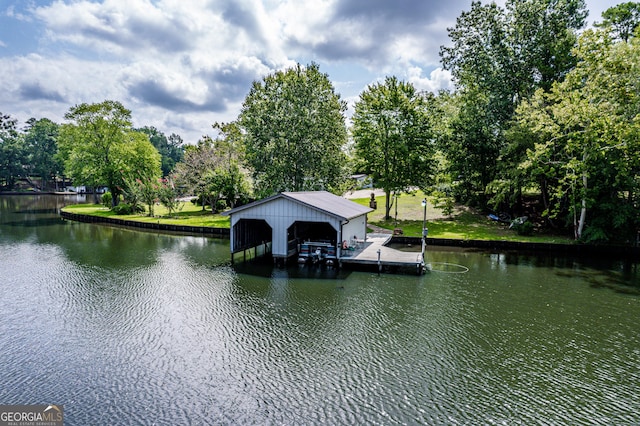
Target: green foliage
column 443, row 201
column 106, row 199
column 622, row 20
column 498, row 58
column 41, row 147
column 139, row 191
column 168, row 197
column 295, row 132
column 586, row 140
column 12, row 152
column 99, row 148
column 525, row 228
column 126, row 208
column 394, row 137
column 212, row 170
column 473, row 147
column 234, row 184
column 171, row 149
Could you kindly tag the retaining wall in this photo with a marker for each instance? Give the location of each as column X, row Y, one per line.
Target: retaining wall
column 197, row 230
column 567, row 249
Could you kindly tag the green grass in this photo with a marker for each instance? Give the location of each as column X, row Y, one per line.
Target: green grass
column 463, row 224
column 188, row 215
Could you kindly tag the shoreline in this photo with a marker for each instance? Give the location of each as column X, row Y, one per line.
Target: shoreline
column 183, row 229
column 608, row 251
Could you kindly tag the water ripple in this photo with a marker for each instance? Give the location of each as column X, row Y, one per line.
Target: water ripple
column 177, row 340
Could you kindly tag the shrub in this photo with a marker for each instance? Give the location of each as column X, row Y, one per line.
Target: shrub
column 126, row 208
column 525, row 228
column 106, row 199
column 220, row 205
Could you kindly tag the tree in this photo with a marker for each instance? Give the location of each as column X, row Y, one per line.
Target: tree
column 393, row 136
column 587, row 137
column 143, row 191
column 622, row 19
column 295, row 132
column 473, row 146
column 498, row 58
column 168, row 196
column 230, row 146
column 212, row 169
column 170, row 149
column 99, row 147
column 541, row 36
column 41, row 145
column 191, row 171
column 12, row 152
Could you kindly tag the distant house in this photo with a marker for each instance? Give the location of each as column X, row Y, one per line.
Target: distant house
column 289, row 219
column 87, row 190
column 362, row 181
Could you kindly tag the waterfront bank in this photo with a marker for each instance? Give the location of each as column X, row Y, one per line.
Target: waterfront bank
column 543, row 248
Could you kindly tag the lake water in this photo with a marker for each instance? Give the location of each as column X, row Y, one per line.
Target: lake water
column 128, row 327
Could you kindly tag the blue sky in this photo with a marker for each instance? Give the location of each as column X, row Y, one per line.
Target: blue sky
column 181, row 65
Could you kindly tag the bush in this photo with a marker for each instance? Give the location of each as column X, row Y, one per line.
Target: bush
column 125, row 208
column 220, row 205
column 525, row 228
column 106, row 199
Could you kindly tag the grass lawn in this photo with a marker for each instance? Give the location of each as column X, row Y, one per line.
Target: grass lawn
column 188, row 215
column 463, row 224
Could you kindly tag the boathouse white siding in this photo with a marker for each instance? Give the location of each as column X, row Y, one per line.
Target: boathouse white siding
column 280, row 212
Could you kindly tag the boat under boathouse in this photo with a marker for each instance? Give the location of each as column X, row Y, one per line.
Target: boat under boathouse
column 314, row 225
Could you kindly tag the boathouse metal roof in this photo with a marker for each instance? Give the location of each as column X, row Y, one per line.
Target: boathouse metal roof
column 319, row 200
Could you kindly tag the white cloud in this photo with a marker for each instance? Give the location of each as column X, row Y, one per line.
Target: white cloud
column 181, row 65
column 11, row 13
column 439, row 79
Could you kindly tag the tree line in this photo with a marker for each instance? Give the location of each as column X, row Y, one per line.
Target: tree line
column 543, row 122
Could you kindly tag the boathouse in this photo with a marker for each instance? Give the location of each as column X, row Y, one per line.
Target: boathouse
column 286, row 221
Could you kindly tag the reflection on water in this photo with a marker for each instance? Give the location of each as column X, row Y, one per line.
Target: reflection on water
column 126, row 327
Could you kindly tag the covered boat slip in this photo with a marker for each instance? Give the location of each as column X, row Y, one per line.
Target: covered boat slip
column 313, row 227
column 287, row 220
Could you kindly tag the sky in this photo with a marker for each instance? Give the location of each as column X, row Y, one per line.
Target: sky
column 182, row 65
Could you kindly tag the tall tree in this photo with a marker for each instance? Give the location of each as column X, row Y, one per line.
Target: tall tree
column 230, row 147
column 171, row 149
column 211, row 170
column 622, row 19
column 295, row 132
column 12, row 152
column 498, row 58
column 99, row 147
column 393, row 136
column 588, row 140
column 41, row 145
column 473, row 145
column 541, row 36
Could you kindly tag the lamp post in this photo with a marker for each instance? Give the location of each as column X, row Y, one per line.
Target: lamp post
column 424, row 226
column 395, row 201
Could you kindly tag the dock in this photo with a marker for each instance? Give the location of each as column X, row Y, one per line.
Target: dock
column 374, row 253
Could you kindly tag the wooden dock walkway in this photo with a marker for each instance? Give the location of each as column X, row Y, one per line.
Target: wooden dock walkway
column 367, row 254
